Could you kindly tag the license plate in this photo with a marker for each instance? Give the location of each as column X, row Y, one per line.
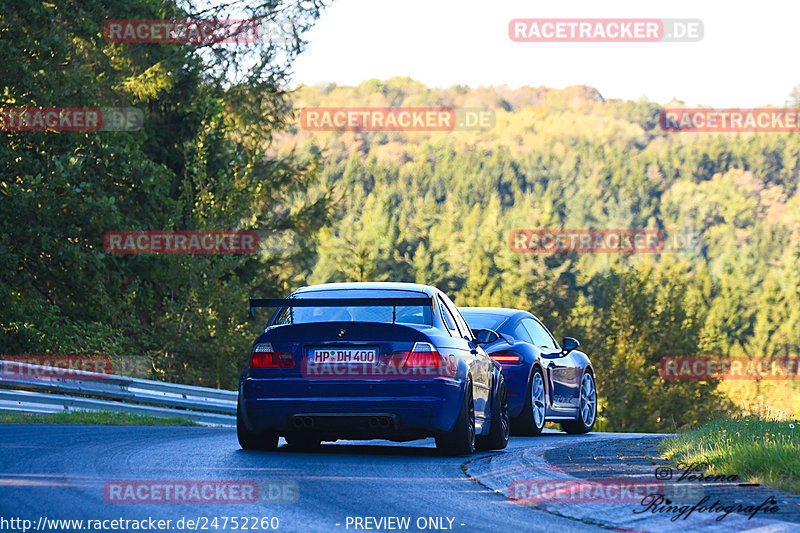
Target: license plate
column 343, row 355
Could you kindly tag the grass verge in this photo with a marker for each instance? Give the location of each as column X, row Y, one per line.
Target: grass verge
column 101, row 418
column 757, row 450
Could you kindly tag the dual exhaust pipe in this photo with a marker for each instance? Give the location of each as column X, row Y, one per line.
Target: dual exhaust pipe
column 380, row 421
column 307, row 422
column 303, row 422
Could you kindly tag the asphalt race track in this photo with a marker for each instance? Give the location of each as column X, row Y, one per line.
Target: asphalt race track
column 61, row 472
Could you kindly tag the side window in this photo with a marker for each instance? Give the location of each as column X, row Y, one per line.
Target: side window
column 448, row 319
column 521, row 333
column 462, row 325
column 539, row 334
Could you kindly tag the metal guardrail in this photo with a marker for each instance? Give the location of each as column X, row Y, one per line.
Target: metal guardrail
column 165, row 399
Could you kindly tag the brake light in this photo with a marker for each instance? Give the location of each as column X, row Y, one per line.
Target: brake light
column 422, row 354
column 263, row 356
column 506, row 358
column 423, row 359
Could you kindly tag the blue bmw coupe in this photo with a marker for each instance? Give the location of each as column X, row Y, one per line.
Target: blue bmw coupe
column 546, row 382
column 370, row 360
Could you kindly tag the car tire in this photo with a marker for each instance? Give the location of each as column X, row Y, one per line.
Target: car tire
column 303, row 442
column 461, row 440
column 587, row 410
column 530, row 421
column 254, row 440
column 499, row 426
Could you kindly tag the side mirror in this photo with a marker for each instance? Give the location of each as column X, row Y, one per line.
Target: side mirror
column 485, row 336
column 569, row 344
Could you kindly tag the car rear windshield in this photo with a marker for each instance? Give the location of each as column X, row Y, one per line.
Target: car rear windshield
column 403, row 314
column 483, row 320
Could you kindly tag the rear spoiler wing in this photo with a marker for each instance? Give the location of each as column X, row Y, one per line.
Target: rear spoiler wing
column 339, row 302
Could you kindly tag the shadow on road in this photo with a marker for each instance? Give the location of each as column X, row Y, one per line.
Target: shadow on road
column 388, row 449
column 343, row 449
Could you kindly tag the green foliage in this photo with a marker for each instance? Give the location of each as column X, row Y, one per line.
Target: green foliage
column 197, row 164
column 635, row 318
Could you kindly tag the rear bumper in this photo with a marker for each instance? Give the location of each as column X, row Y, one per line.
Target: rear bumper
column 331, row 409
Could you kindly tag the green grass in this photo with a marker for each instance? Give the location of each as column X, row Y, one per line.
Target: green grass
column 758, row 450
column 101, row 418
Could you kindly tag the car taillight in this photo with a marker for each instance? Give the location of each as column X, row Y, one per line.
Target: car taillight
column 264, row 356
column 422, row 354
column 506, row 358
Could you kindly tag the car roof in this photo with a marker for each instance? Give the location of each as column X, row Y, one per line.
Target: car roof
column 496, row 311
column 367, row 285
